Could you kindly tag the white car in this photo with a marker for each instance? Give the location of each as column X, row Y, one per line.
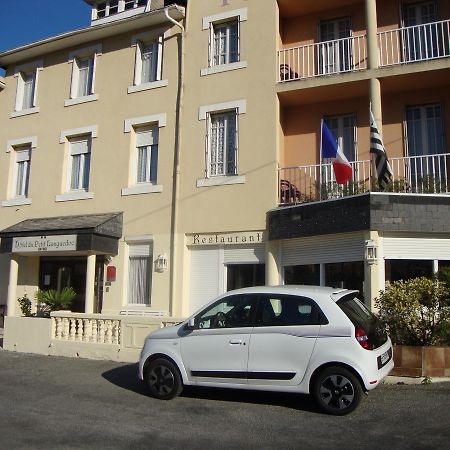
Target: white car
column 300, row 339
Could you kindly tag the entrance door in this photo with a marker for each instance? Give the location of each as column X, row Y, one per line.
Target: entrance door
column 57, row 273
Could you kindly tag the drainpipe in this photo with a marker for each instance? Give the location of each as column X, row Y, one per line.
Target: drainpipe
column 176, row 166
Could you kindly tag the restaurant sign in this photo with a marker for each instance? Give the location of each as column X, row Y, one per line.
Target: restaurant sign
column 62, row 243
column 245, row 237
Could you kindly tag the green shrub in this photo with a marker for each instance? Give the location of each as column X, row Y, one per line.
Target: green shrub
column 25, row 305
column 52, row 300
column 416, row 312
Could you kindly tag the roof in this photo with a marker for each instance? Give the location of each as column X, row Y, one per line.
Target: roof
column 108, row 224
column 89, row 34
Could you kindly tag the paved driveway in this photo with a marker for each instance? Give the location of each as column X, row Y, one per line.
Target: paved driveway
column 63, row 403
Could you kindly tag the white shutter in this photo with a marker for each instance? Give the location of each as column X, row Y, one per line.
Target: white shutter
column 416, row 248
column 245, row 254
column 206, row 277
column 146, row 136
column 144, row 249
column 80, row 145
column 323, row 249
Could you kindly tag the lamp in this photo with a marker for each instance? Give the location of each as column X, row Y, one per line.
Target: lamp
column 161, row 263
column 371, row 251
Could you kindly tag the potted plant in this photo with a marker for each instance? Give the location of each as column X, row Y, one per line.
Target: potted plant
column 416, row 313
column 52, row 300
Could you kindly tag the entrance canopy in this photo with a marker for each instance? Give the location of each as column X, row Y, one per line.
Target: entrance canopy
column 93, row 233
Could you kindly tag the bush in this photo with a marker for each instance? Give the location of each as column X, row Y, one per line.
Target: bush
column 52, row 300
column 25, row 305
column 416, row 312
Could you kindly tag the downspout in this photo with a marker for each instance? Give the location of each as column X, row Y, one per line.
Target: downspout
column 176, row 166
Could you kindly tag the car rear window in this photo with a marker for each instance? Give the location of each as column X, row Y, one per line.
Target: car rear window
column 361, row 317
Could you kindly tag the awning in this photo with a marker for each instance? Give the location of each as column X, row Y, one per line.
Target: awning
column 93, row 233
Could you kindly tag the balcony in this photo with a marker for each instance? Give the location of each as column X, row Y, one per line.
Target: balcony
column 405, row 45
column 411, row 175
column 323, row 58
column 413, row 44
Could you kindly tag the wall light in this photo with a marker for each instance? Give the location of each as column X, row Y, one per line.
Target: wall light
column 161, row 263
column 371, row 251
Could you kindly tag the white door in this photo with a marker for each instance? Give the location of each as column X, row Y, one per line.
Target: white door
column 283, row 339
column 216, row 351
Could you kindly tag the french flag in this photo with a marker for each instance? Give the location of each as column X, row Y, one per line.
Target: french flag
column 330, row 149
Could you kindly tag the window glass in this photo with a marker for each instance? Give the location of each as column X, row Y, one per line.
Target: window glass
column 80, row 160
column 222, row 133
column 404, row 269
column 146, row 154
column 348, row 275
column 28, row 89
column 231, row 312
column 245, row 275
column 140, row 274
column 225, row 43
column 149, row 56
column 85, row 76
column 308, row 274
column 23, row 157
column 287, row 310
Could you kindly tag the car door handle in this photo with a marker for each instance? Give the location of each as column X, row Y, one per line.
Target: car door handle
column 237, row 342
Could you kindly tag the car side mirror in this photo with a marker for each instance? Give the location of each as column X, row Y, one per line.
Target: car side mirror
column 191, row 323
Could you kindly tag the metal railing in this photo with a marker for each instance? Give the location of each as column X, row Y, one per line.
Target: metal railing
column 416, row 43
column 411, row 175
column 324, row 58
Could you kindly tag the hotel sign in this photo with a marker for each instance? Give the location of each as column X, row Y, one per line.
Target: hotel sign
column 34, row 244
column 245, row 237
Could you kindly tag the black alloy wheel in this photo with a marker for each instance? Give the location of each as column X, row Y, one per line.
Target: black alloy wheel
column 163, row 379
column 337, row 391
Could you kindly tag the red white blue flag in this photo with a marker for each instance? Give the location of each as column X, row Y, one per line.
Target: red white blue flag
column 330, row 149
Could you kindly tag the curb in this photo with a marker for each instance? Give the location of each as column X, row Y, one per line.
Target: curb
column 414, row 380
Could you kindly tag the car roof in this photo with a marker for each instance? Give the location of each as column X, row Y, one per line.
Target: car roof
column 303, row 290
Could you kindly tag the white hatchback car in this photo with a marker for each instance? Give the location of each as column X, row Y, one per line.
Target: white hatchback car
column 299, row 339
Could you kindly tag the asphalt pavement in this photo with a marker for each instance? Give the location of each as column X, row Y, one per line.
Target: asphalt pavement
column 66, row 403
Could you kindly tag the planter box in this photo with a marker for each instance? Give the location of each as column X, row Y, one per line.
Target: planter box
column 421, row 361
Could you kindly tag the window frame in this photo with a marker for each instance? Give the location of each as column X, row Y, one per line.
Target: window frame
column 32, row 68
column 132, row 126
column 75, row 58
column 147, row 242
column 12, row 147
column 227, row 25
column 219, row 20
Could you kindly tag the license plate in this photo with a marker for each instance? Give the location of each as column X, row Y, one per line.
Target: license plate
column 384, row 358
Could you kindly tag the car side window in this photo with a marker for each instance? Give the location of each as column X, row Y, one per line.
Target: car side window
column 230, row 312
column 288, row 310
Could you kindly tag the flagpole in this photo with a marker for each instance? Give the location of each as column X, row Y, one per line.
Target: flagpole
column 320, row 159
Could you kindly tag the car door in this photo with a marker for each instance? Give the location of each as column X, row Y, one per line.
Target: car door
column 283, row 339
column 216, row 350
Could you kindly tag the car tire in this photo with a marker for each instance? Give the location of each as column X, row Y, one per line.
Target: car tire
column 337, row 391
column 163, row 379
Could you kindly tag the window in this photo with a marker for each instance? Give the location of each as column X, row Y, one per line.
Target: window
column 230, row 312
column 224, row 48
column 222, row 149
column 22, row 170
column 82, row 86
column 245, row 275
column 335, row 51
column 343, row 129
column 308, row 274
column 285, row 310
column 140, row 273
column 146, row 154
column 148, row 62
column 80, row 161
column 27, row 77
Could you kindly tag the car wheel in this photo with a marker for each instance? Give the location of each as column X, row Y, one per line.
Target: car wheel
column 163, row 379
column 337, row 391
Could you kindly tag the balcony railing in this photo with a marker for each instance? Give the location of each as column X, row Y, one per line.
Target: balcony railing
column 413, row 44
column 411, row 175
column 323, row 58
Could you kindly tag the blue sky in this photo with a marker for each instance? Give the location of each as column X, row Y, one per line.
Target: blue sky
column 26, row 21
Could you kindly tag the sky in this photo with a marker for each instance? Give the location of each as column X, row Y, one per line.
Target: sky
column 26, row 21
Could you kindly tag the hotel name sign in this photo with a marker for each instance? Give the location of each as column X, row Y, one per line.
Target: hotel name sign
column 62, row 243
column 245, row 237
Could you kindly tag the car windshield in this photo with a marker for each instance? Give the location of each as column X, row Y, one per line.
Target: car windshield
column 361, row 317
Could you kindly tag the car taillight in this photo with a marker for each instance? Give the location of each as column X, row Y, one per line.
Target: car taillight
column 362, row 338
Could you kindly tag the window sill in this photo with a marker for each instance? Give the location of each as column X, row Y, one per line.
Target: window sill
column 144, row 188
column 76, row 195
column 223, row 68
column 78, row 100
column 16, row 202
column 221, row 181
column 24, row 112
column 147, row 86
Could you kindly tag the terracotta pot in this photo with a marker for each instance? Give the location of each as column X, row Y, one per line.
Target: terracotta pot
column 421, row 361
